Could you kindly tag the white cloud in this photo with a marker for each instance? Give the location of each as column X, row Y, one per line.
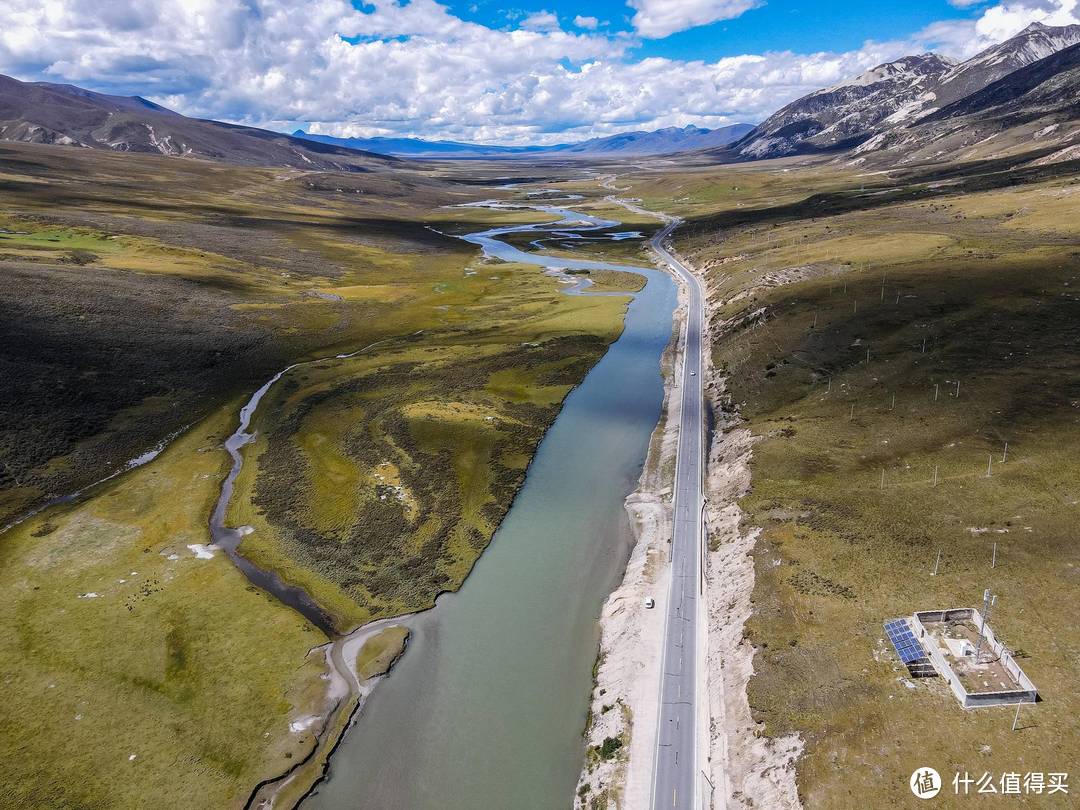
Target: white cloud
column 656, row 19
column 961, row 39
column 1006, row 19
column 414, row 68
column 586, row 22
column 541, row 21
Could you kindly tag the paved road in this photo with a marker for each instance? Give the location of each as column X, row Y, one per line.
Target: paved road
column 676, row 773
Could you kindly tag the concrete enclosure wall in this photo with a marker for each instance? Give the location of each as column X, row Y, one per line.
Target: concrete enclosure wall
column 969, row 700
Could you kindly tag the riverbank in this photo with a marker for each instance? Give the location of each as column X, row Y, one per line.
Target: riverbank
column 619, row 733
column 347, row 689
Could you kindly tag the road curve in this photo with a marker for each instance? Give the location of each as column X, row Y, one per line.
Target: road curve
column 676, row 782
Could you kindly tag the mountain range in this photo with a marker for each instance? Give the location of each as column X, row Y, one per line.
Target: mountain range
column 1020, row 94
column 889, row 104
column 656, row 142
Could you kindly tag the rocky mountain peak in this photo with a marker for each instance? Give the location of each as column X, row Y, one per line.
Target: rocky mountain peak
column 894, row 94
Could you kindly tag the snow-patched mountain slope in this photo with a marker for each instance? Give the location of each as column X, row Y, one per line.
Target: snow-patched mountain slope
column 1035, row 42
column 896, row 94
column 847, row 113
column 1035, row 108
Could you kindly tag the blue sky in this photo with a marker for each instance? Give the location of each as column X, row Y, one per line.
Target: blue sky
column 776, row 25
column 824, row 25
column 528, row 71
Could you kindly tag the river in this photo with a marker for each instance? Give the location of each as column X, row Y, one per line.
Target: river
column 485, row 711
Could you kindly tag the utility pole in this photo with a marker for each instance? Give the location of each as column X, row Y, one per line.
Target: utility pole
column 988, row 602
column 935, row 475
column 937, row 563
column 993, row 556
column 989, row 461
column 1005, row 454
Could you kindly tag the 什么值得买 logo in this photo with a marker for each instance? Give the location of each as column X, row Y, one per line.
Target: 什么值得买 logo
column 925, row 783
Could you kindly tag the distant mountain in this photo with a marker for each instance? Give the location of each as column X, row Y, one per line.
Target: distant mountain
column 418, row 148
column 657, row 142
column 62, row 114
column 845, row 114
column 894, row 95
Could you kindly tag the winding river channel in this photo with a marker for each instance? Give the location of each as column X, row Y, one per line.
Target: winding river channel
column 486, row 708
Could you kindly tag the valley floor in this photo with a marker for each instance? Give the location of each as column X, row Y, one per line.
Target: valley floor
column 150, row 312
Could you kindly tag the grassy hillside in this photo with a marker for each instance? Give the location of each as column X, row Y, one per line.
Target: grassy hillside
column 138, row 292
column 840, row 305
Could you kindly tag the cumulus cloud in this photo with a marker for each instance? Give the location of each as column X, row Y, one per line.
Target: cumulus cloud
column 586, row 22
column 541, row 21
column 413, row 68
column 961, row 39
column 1005, row 19
column 656, row 19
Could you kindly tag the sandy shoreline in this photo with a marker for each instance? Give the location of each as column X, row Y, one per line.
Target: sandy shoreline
column 627, row 674
column 346, row 693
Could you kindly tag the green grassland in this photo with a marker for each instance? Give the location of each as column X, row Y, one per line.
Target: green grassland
column 377, row 481
column 229, row 267
column 826, row 288
column 143, row 297
column 136, row 674
column 379, row 652
column 615, row 281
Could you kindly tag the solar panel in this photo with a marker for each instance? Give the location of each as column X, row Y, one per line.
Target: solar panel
column 903, row 640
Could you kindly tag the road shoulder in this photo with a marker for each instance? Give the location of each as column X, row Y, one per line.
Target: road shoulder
column 627, row 675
